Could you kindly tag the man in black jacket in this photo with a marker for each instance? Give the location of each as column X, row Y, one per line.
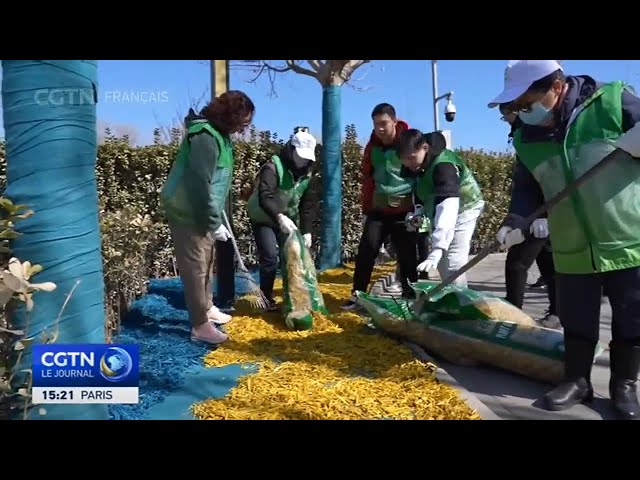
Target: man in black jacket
column 520, row 257
column 281, row 203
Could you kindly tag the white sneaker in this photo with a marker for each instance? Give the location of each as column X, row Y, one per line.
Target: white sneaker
column 395, row 287
column 216, row 316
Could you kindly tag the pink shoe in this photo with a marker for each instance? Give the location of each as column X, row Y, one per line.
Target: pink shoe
column 208, row 333
column 216, row 316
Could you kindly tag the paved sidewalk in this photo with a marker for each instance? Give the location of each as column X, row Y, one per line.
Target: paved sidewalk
column 512, row 397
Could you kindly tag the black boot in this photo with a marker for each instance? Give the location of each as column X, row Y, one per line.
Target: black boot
column 578, row 360
column 624, row 366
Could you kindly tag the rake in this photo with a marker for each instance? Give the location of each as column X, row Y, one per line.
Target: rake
column 254, row 295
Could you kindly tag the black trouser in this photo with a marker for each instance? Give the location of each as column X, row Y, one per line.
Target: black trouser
column 424, row 244
column 579, row 304
column 268, row 240
column 225, row 274
column 376, row 228
column 520, row 258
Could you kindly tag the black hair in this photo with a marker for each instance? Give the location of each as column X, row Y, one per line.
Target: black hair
column 544, row 84
column 382, row 109
column 410, row 141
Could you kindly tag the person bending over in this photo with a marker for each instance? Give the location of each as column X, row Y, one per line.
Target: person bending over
column 280, row 203
column 449, row 195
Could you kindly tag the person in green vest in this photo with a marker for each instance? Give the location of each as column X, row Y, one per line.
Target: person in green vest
column 569, row 124
column 193, row 198
column 447, row 196
column 280, row 203
column 386, row 199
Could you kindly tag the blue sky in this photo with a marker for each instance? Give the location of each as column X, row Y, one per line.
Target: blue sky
column 139, row 95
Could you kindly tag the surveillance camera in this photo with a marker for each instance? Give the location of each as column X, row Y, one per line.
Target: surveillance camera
column 450, row 111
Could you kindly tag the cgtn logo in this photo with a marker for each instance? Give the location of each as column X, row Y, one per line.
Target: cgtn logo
column 85, row 373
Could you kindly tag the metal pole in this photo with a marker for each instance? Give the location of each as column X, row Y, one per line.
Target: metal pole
column 434, row 86
column 219, row 85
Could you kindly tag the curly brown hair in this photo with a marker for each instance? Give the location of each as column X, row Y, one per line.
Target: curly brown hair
column 229, row 112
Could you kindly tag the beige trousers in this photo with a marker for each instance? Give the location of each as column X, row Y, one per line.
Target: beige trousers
column 195, row 256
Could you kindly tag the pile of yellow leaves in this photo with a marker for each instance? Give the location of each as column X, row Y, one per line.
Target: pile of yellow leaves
column 340, row 370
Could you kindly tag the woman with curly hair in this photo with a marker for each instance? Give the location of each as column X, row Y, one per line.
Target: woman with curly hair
column 193, row 199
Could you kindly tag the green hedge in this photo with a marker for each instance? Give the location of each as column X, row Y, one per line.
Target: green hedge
column 136, row 242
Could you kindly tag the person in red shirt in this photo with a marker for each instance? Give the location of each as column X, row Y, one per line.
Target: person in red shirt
column 386, row 199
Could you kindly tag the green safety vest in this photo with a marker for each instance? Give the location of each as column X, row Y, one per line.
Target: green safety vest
column 470, row 193
column 391, row 190
column 289, row 192
column 175, row 197
column 597, row 228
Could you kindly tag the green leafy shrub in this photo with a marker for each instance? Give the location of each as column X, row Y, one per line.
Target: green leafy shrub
column 16, row 287
column 136, row 240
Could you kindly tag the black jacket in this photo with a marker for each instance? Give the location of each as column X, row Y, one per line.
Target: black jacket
column 268, row 197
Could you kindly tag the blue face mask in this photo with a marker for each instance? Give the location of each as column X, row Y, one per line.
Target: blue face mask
column 537, row 114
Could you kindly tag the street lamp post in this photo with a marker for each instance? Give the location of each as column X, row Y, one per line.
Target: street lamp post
column 436, row 98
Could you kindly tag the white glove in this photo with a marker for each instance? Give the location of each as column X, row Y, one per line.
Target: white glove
column 508, row 237
column 630, row 141
column 432, row 260
column 286, row 224
column 540, row 228
column 307, row 240
column 222, row 234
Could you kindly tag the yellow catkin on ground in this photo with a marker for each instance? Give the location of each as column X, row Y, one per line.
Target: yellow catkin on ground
column 337, row 371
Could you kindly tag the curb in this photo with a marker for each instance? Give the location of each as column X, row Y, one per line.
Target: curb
column 379, row 288
column 442, row 375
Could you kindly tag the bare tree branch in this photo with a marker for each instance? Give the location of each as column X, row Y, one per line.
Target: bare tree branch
column 294, row 67
column 327, row 72
column 353, row 82
column 315, row 64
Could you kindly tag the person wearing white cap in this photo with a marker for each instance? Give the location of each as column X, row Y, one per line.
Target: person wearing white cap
column 281, row 203
column 569, row 124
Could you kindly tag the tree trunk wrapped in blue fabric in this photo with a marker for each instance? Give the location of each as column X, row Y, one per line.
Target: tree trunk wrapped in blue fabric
column 49, row 109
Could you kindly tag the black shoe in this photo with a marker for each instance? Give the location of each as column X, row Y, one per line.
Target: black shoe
column 578, row 360
column 409, row 295
column 540, row 283
column 272, row 306
column 624, row 365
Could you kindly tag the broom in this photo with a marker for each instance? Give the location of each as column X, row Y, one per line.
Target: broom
column 254, row 295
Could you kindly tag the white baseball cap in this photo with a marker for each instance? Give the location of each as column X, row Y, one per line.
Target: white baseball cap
column 305, row 145
column 520, row 75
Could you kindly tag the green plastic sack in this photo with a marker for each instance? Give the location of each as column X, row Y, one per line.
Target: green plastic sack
column 299, row 284
column 464, row 303
column 532, row 351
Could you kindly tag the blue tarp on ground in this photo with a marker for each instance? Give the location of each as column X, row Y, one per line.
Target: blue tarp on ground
column 172, row 373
